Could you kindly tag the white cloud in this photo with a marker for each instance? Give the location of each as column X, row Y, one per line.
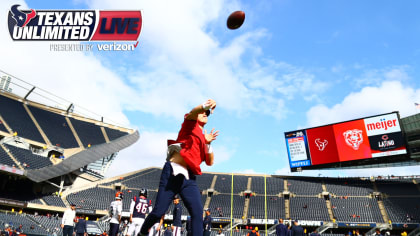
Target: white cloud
column 149, row 151
column 283, row 171
column 183, row 62
column 374, row 77
column 222, row 154
column 389, row 96
column 166, row 87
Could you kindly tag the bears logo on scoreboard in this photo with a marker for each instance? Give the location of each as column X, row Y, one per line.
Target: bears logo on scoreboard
column 74, row 25
column 353, row 138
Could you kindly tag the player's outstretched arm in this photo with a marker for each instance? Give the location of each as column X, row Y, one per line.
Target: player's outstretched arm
column 210, row 137
column 160, row 223
column 209, row 104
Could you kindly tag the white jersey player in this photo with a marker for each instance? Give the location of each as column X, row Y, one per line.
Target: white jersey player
column 115, row 210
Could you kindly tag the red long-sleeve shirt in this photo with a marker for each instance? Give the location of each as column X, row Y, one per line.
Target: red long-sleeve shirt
column 193, row 145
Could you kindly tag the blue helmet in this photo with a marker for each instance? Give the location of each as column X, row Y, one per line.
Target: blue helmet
column 143, row 192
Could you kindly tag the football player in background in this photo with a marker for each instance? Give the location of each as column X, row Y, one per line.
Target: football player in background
column 177, row 213
column 138, row 208
column 115, row 210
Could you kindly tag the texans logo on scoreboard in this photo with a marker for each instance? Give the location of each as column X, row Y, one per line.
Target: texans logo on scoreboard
column 70, row 25
column 321, row 144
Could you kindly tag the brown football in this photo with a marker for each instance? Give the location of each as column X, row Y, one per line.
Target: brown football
column 235, row 20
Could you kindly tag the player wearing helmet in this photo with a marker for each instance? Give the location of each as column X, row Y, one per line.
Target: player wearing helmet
column 115, row 210
column 138, row 208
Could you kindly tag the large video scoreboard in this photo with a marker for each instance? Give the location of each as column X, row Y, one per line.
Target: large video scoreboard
column 355, row 142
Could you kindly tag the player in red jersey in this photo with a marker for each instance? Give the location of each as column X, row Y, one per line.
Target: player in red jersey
column 185, row 155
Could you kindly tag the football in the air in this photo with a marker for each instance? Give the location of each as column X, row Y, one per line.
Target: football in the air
column 235, row 20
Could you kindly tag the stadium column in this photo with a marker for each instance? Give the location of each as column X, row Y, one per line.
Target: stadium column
column 324, row 187
column 213, row 182
column 329, row 208
column 12, row 157
column 231, row 207
column 44, row 136
column 383, row 211
column 286, row 201
column 6, row 125
column 208, row 199
column 375, row 187
column 105, row 134
column 265, row 201
column 247, row 200
column 61, row 185
column 79, row 142
column 328, row 202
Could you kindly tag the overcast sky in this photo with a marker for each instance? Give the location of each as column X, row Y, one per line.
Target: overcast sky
column 293, row 64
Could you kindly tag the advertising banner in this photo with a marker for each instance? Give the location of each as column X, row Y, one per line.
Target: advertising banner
column 361, row 139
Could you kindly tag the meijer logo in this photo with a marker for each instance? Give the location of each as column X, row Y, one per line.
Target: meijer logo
column 383, row 124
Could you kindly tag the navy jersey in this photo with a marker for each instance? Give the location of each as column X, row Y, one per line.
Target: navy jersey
column 177, row 215
column 188, row 226
column 139, row 207
column 167, row 233
column 207, row 223
column 281, row 230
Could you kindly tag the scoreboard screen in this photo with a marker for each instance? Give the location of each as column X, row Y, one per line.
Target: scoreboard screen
column 350, row 142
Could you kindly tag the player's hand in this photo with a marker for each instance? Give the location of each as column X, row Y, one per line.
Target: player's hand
column 131, row 220
column 62, row 226
column 210, row 103
column 211, row 136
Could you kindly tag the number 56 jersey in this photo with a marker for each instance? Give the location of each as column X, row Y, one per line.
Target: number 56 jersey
column 140, row 206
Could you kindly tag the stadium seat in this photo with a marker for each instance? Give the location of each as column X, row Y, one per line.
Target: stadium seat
column 308, row 208
column 356, row 209
column 27, row 159
column 55, row 127
column 220, row 205
column 349, row 187
column 18, row 119
column 5, row 158
column 89, row 133
column 305, row 186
